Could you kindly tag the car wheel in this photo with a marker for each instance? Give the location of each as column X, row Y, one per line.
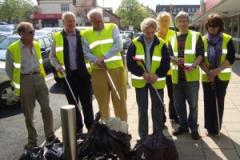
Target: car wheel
column 7, row 95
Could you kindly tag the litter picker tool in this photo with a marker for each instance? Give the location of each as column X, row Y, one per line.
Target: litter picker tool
column 217, row 109
column 142, row 63
column 70, row 88
column 112, row 84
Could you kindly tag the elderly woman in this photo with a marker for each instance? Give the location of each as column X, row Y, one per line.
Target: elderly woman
column 163, row 21
column 219, row 56
column 148, row 75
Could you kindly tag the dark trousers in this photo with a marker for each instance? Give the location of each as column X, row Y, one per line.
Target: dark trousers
column 156, row 110
column 82, row 89
column 171, row 107
column 214, row 96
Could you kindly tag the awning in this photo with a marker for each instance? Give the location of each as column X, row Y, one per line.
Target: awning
column 226, row 8
column 47, row 16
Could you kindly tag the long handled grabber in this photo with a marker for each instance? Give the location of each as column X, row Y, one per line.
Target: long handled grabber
column 112, row 84
column 70, row 88
column 217, row 106
column 141, row 63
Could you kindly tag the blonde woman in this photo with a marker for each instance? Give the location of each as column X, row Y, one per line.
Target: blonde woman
column 163, row 21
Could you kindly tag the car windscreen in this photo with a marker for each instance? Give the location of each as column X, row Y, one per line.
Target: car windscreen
column 7, row 41
column 4, row 44
column 6, row 28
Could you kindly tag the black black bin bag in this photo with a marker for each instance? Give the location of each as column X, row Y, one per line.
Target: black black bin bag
column 54, row 151
column 102, row 143
column 35, row 153
column 155, row 147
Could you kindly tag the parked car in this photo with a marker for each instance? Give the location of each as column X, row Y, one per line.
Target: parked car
column 7, row 29
column 7, row 96
column 2, row 37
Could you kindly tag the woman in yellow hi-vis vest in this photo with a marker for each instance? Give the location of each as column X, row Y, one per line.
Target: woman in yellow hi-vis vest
column 218, row 58
column 24, row 66
column 164, row 20
column 188, row 51
column 148, row 78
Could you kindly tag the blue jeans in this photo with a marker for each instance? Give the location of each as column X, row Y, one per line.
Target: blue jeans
column 157, row 110
column 187, row 91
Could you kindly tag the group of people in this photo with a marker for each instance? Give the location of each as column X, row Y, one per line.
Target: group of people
column 162, row 56
column 91, row 61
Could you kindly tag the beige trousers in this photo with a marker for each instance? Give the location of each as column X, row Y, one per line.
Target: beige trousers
column 102, row 89
column 33, row 88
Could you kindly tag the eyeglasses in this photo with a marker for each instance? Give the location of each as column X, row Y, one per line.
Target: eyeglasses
column 212, row 25
column 30, row 32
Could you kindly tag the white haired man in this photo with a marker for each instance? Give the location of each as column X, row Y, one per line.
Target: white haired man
column 102, row 46
column 150, row 78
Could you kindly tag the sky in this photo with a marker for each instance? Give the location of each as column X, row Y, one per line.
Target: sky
column 150, row 3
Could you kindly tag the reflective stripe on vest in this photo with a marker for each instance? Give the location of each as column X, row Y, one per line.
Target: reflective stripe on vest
column 100, row 42
column 225, row 74
column 15, row 50
column 189, row 57
column 60, row 55
column 139, row 82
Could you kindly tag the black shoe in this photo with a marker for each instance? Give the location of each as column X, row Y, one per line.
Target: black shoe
column 195, row 135
column 180, row 130
column 52, row 139
column 213, row 133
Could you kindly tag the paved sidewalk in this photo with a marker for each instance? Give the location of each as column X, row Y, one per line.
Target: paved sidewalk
column 224, row 147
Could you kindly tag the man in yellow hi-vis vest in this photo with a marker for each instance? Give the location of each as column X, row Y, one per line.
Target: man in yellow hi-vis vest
column 24, row 66
column 102, row 46
column 67, row 56
column 149, row 78
column 188, row 52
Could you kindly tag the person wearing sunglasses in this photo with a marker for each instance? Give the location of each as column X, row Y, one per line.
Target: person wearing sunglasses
column 218, row 59
column 24, row 66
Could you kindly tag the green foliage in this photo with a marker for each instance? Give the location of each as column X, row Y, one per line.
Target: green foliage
column 14, row 11
column 131, row 13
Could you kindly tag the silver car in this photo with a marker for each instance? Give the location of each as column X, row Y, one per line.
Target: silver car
column 7, row 96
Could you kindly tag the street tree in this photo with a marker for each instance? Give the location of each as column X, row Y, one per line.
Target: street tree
column 131, row 13
column 16, row 10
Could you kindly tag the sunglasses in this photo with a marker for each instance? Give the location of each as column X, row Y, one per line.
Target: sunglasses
column 212, row 25
column 30, row 32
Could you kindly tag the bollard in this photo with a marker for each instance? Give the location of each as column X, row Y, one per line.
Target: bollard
column 68, row 118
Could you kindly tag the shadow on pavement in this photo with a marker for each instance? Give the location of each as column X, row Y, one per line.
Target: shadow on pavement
column 225, row 146
column 10, row 111
column 57, row 89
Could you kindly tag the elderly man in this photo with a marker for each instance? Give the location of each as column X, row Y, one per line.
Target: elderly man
column 188, row 52
column 67, row 57
column 102, row 46
column 151, row 77
column 25, row 69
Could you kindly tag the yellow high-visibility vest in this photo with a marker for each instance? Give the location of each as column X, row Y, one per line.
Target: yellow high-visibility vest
column 15, row 50
column 189, row 57
column 225, row 74
column 60, row 55
column 139, row 82
column 100, row 42
column 169, row 36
